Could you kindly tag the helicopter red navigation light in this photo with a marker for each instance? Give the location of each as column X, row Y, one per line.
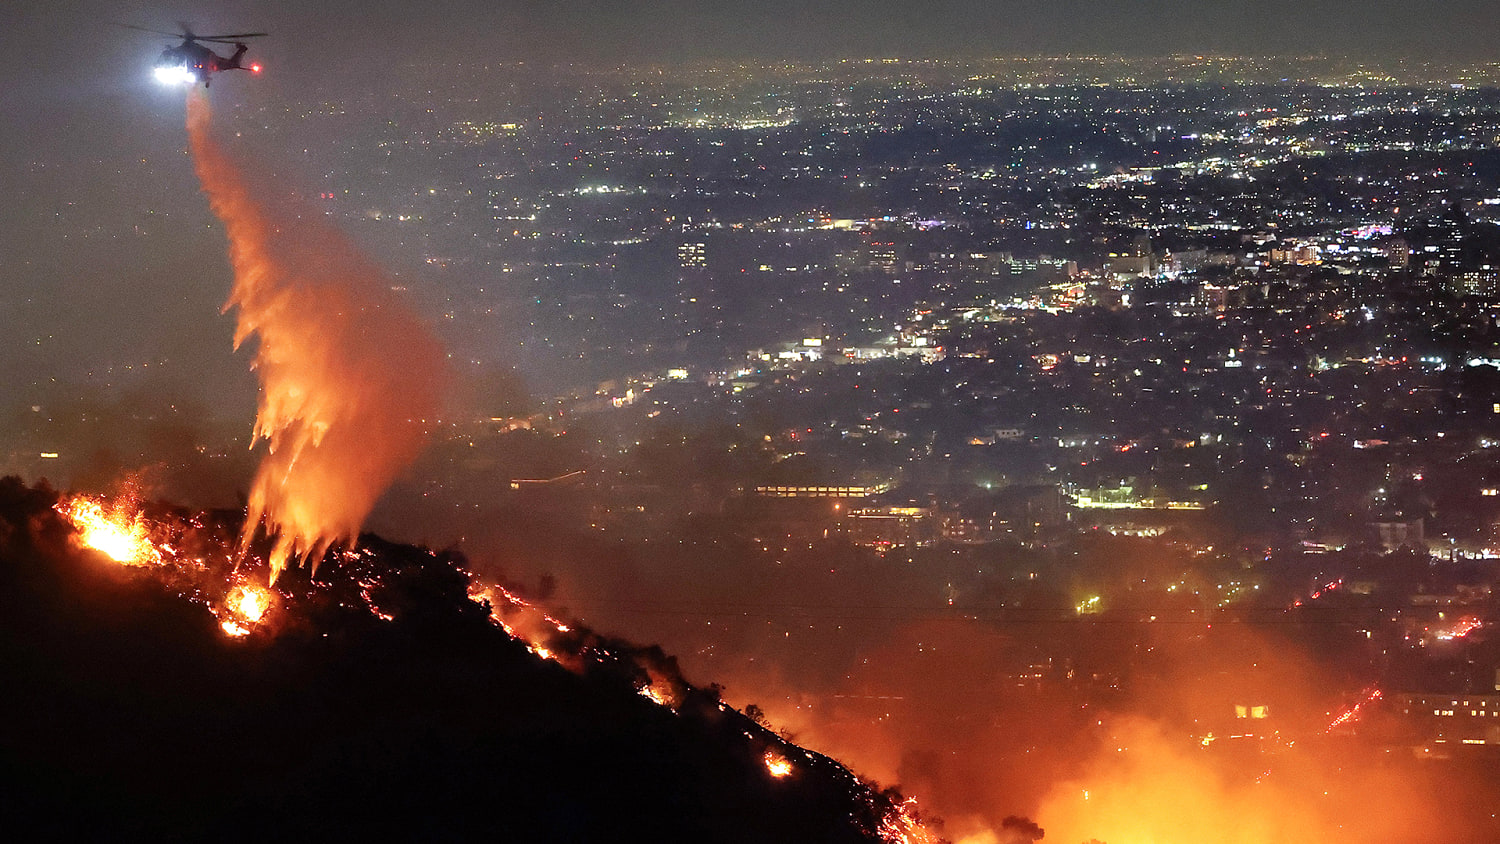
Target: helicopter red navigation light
column 255, row 68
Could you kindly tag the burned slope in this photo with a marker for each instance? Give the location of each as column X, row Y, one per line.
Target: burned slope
column 127, row 710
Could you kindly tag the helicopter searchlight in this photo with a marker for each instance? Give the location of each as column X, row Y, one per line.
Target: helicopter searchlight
column 174, row 74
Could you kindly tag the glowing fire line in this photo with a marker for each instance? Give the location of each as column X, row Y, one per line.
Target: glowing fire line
column 1352, row 714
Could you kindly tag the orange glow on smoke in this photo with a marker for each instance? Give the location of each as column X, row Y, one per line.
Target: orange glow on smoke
column 116, row 532
column 1152, row 774
column 350, row 379
column 1156, row 791
column 1151, row 788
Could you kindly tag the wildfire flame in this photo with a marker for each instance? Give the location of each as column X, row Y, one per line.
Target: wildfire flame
column 657, row 694
column 118, row 533
column 234, row 628
column 245, row 606
column 349, row 378
column 124, row 534
column 902, row 825
column 777, row 765
column 522, row 621
column 249, row 602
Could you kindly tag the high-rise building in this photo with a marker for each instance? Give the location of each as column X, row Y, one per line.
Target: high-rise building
column 692, row 255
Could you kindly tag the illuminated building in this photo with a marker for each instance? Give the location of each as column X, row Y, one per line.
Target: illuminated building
column 692, row 255
column 892, row 526
column 821, row 491
column 1485, row 282
column 1452, row 719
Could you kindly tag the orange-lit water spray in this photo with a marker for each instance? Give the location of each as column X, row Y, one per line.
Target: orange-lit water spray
column 350, row 379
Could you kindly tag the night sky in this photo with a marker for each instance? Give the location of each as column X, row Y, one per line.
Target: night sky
column 38, row 35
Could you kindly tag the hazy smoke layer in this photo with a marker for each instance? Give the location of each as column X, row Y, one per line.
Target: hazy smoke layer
column 350, row 379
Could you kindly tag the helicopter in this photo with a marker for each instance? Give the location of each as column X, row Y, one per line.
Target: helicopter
column 190, row 61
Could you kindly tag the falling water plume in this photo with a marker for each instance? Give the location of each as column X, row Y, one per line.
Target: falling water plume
column 350, row 378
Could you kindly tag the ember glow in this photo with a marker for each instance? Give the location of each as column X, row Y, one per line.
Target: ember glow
column 1330, row 586
column 1461, row 628
column 117, row 531
column 350, row 379
column 658, row 680
column 1351, row 714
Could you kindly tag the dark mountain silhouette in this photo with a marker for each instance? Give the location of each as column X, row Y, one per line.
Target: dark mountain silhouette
column 127, row 712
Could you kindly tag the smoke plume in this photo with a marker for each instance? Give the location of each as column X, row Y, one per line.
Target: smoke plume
column 350, row 379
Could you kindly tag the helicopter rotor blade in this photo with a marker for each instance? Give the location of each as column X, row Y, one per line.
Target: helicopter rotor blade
column 144, row 29
column 229, row 39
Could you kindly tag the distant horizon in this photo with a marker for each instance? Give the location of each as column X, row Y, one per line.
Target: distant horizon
column 1101, row 69
column 339, row 36
column 1385, row 63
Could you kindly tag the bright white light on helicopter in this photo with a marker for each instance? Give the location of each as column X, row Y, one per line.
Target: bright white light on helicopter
column 174, row 74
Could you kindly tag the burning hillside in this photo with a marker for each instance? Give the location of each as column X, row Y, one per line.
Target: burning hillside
column 171, row 693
